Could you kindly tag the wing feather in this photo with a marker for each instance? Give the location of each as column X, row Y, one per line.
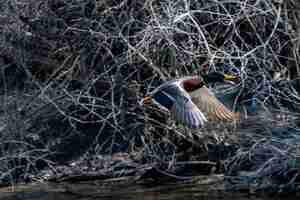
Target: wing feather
column 187, row 113
column 211, row 106
column 194, row 109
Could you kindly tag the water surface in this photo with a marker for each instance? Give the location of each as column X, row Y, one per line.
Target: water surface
column 94, row 191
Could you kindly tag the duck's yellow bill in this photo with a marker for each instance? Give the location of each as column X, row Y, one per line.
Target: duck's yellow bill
column 228, row 77
column 146, row 100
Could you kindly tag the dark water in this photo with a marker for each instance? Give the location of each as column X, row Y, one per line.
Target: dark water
column 94, row 191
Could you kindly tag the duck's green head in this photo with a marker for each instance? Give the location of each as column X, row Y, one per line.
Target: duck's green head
column 214, row 77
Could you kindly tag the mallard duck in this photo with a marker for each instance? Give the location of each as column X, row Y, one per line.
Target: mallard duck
column 190, row 102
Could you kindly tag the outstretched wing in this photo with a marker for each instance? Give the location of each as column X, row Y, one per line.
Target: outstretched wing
column 185, row 111
column 211, row 106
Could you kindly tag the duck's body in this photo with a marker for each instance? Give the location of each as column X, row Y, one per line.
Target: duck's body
column 190, row 101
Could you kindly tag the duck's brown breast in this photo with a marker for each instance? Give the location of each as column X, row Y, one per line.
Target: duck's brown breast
column 191, row 85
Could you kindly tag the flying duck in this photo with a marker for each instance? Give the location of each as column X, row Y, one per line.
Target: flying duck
column 190, row 102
